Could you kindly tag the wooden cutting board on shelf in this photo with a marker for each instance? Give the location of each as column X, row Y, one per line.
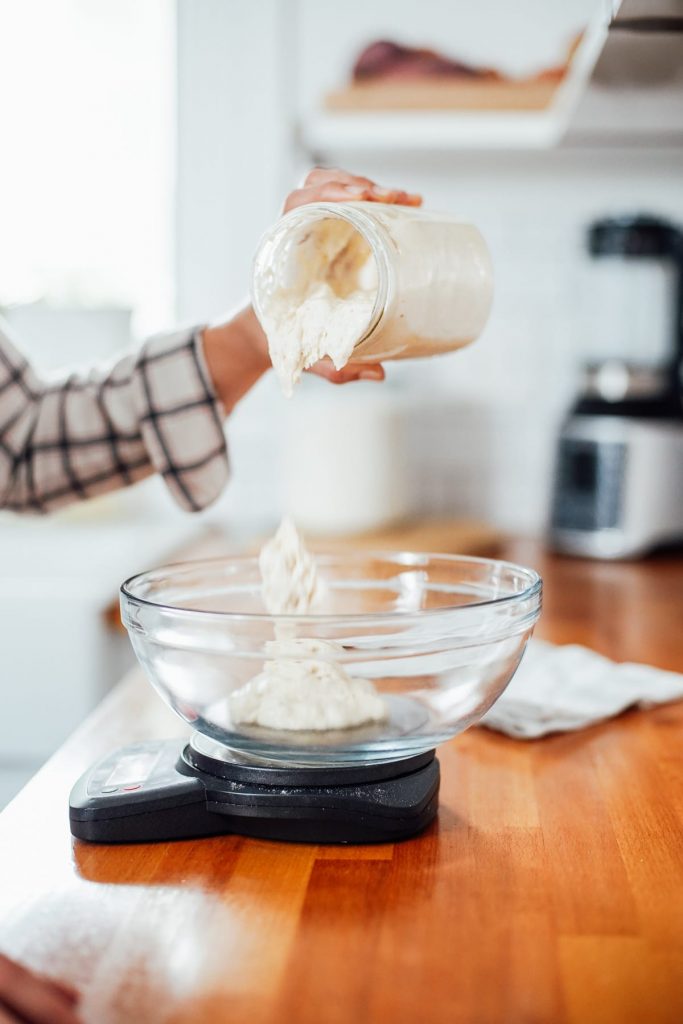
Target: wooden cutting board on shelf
column 445, row 95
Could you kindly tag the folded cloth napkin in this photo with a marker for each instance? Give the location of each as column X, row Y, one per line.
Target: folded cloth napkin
column 558, row 689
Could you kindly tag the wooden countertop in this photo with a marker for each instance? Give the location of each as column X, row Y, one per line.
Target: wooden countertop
column 550, row 889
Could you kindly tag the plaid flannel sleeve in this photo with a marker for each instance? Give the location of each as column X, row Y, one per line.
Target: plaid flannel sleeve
column 153, row 411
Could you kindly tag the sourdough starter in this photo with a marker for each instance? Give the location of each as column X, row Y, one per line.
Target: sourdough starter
column 328, row 304
column 423, row 286
column 303, row 685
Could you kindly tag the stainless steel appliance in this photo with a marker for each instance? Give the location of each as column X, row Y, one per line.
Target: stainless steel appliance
column 618, row 489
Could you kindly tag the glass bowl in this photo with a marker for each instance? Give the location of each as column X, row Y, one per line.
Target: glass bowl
column 438, row 636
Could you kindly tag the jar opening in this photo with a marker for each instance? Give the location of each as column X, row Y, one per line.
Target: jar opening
column 331, row 251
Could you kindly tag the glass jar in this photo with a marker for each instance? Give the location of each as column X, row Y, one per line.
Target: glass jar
column 424, row 279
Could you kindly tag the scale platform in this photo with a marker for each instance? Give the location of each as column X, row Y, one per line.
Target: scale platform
column 171, row 789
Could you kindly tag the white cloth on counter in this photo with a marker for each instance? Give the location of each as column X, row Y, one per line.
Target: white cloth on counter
column 559, row 689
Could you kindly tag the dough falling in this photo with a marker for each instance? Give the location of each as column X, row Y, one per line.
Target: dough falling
column 326, row 306
column 303, row 685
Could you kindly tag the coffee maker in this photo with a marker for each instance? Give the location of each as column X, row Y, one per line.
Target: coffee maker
column 618, row 486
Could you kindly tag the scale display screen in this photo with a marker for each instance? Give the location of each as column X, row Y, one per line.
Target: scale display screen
column 133, row 768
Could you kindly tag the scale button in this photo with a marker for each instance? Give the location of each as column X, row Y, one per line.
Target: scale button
column 110, row 789
column 129, row 789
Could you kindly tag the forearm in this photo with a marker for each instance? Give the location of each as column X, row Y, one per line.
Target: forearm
column 236, row 355
column 154, row 411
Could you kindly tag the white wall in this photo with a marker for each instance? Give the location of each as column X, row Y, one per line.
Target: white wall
column 233, row 144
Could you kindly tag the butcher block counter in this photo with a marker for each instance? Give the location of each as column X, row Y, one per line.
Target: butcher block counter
column 549, row 890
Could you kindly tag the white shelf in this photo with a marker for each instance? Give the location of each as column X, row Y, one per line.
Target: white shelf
column 323, row 134
column 427, row 130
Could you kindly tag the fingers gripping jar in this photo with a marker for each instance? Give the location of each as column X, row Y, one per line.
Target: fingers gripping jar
column 370, row 282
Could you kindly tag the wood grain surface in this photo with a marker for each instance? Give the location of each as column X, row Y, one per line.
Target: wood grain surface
column 550, row 889
column 446, row 94
column 448, row 536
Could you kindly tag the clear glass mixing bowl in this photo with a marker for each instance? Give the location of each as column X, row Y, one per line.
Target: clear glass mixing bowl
column 438, row 636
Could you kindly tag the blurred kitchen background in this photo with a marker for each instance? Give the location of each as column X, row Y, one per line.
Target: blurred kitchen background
column 145, row 145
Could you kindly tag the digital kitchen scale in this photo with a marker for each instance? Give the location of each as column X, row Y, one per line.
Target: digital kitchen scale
column 172, row 789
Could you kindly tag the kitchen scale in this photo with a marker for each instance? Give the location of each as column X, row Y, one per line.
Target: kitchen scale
column 198, row 632
column 174, row 789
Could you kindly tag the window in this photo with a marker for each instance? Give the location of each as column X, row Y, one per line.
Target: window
column 87, row 116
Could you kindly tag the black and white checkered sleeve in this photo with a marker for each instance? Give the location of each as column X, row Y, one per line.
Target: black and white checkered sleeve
column 152, row 411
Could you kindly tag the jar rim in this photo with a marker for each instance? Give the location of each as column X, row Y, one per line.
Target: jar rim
column 363, row 222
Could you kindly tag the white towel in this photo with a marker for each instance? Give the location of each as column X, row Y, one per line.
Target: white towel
column 558, row 689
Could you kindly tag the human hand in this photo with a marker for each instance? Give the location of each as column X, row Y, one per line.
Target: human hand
column 28, row 998
column 237, row 352
column 334, row 185
column 236, row 356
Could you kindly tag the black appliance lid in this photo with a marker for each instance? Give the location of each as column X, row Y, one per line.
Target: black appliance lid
column 643, row 235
